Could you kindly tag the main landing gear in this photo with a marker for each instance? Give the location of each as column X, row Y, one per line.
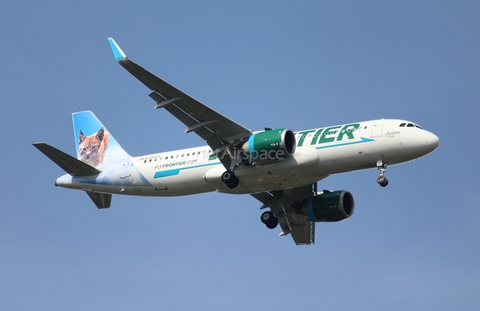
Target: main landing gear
column 229, row 178
column 382, row 168
column 269, row 220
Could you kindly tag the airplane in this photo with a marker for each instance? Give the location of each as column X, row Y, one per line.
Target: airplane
column 278, row 167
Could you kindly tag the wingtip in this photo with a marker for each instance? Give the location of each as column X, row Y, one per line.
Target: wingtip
column 117, row 51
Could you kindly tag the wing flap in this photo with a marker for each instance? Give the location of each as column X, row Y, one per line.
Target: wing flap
column 302, row 231
column 294, row 223
column 291, row 220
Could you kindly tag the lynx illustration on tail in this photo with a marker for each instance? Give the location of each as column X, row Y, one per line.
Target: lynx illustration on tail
column 92, row 148
column 94, row 143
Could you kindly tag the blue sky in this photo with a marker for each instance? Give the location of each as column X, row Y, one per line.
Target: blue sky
column 413, row 245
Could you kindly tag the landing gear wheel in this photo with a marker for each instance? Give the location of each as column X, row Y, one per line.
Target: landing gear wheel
column 266, row 217
column 234, row 183
column 382, row 181
column 269, row 220
column 382, row 168
column 228, row 177
column 273, row 224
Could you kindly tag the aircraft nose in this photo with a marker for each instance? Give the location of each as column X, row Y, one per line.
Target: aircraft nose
column 430, row 141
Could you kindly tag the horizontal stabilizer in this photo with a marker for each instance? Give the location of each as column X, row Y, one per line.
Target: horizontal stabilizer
column 68, row 163
column 101, row 200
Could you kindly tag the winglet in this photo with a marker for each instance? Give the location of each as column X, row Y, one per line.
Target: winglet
column 117, row 51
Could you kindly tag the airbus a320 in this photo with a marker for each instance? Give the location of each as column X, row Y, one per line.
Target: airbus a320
column 278, row 167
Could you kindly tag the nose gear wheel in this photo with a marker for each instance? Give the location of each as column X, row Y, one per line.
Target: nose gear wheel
column 382, row 168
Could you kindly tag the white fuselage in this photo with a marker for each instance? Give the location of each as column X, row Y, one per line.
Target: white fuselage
column 319, row 153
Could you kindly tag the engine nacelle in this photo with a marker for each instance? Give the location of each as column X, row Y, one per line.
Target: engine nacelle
column 330, row 206
column 271, row 145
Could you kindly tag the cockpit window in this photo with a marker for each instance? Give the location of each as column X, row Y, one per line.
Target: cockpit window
column 410, row 125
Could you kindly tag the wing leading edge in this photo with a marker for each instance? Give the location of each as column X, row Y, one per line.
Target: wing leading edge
column 217, row 130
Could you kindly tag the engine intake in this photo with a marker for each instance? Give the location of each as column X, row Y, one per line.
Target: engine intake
column 330, row 206
column 271, row 145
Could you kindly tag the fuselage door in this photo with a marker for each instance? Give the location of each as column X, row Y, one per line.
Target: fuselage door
column 125, row 169
column 377, row 128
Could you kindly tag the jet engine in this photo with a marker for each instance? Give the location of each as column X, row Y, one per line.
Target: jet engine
column 271, row 145
column 330, row 206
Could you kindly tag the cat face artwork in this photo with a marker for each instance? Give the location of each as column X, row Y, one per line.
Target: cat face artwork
column 92, row 148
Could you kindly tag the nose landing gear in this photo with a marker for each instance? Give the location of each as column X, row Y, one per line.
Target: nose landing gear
column 382, row 168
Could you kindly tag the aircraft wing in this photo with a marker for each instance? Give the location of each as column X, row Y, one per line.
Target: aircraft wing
column 291, row 220
column 217, row 130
